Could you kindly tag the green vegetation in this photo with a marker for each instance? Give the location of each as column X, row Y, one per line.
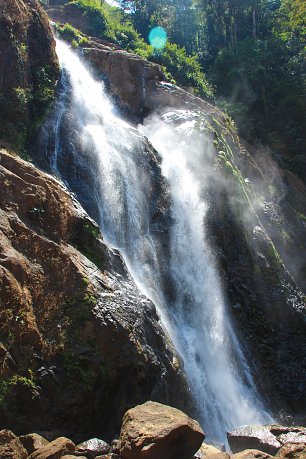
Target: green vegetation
column 74, row 36
column 77, row 372
column 184, row 68
column 92, row 229
column 9, row 386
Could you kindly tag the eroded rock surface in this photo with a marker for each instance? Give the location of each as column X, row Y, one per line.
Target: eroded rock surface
column 32, row 442
column 153, row 430
column 77, row 336
column 292, row 451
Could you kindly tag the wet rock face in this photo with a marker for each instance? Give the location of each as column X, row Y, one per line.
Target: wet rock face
column 28, row 69
column 77, row 338
column 129, row 78
column 153, row 430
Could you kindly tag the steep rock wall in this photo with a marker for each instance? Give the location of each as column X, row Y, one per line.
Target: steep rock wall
column 28, row 70
column 79, row 345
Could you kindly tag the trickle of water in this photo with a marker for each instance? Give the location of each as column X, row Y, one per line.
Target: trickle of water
column 116, row 166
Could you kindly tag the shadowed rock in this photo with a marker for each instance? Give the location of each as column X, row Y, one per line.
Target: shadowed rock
column 32, row 442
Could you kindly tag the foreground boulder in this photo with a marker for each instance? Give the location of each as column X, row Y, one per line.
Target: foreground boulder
column 32, row 442
column 268, row 439
column 153, row 430
column 251, row 454
column 10, row 446
column 55, row 449
column 292, row 451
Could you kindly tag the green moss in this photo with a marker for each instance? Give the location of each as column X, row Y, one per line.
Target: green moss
column 302, row 216
column 76, row 368
column 90, row 300
column 92, row 229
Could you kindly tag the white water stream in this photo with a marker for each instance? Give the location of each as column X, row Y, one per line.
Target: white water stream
column 123, row 179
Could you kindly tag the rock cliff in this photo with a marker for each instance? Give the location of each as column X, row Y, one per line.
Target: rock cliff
column 79, row 344
column 28, row 70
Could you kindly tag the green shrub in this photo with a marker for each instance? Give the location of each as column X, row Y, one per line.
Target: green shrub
column 8, row 386
column 67, row 32
column 184, row 68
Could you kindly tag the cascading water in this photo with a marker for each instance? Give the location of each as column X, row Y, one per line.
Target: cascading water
column 173, row 265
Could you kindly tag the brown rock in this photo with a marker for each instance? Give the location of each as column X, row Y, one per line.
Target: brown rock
column 32, row 442
column 71, row 456
column 6, row 436
column 127, row 75
column 219, row 456
column 292, row 451
column 153, row 430
column 10, row 446
column 55, row 449
column 251, row 454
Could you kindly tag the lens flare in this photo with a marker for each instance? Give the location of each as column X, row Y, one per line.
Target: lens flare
column 158, row 37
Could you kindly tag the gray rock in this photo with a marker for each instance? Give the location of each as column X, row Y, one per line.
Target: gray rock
column 253, row 437
column 92, row 448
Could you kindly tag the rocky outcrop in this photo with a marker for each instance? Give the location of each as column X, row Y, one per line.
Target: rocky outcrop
column 28, row 70
column 153, row 430
column 77, row 338
column 269, row 439
column 128, row 77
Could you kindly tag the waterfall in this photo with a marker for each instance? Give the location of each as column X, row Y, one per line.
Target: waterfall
column 168, row 255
